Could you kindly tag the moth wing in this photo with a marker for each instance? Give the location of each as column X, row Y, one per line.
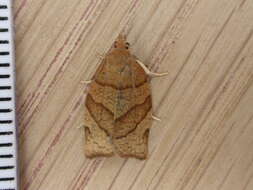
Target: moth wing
column 98, row 118
column 133, row 112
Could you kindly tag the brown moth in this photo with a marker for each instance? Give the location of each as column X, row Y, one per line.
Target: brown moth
column 118, row 107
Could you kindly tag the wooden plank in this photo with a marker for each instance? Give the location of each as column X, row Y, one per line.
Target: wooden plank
column 204, row 140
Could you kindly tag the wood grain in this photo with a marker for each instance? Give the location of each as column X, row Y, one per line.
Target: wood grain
column 205, row 138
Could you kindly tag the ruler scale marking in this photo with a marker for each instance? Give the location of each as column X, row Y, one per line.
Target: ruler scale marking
column 8, row 140
column 4, row 30
column 5, row 87
column 4, row 64
column 6, row 133
column 6, row 156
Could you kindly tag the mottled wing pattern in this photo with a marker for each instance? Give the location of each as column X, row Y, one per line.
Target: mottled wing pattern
column 98, row 116
column 118, row 109
column 133, row 112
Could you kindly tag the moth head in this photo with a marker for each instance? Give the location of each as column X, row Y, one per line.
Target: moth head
column 121, row 42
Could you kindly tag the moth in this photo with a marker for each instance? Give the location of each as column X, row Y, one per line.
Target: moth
column 118, row 106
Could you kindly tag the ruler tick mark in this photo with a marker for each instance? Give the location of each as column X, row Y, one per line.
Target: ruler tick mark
column 6, row 167
column 5, row 99
column 5, row 144
column 4, row 76
column 4, row 64
column 4, row 53
column 5, row 87
column 6, row 156
column 3, row 7
column 3, row 18
column 5, row 121
column 5, row 110
column 4, row 41
column 7, row 179
column 6, row 133
column 4, row 29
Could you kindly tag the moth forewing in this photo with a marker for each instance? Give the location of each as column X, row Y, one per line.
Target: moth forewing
column 118, row 107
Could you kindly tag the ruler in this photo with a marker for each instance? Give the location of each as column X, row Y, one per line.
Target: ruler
column 8, row 139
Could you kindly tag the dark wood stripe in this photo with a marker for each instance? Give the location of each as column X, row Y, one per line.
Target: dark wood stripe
column 117, row 174
column 242, row 3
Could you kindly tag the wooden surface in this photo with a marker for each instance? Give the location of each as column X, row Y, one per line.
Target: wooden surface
column 205, row 139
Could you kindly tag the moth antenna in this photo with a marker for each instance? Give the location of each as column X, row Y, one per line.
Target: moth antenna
column 150, row 73
column 100, row 56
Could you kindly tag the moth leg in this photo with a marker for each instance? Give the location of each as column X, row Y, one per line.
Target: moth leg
column 100, row 56
column 155, row 118
column 86, row 81
column 150, row 73
column 80, row 126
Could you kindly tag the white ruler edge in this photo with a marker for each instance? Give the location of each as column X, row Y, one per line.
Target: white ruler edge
column 8, row 134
